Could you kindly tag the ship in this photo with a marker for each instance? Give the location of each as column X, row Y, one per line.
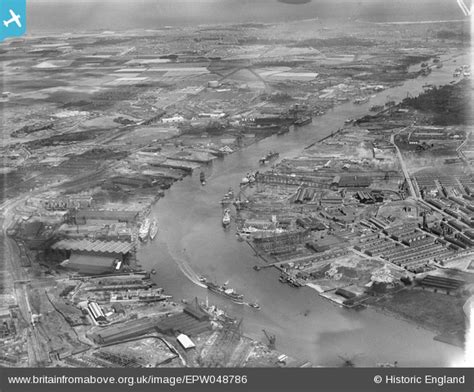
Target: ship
column 226, row 217
column 249, row 179
column 425, row 71
column 303, row 121
column 228, row 197
column 255, row 305
column 360, row 101
column 226, row 200
column 144, row 230
column 258, row 127
column 225, row 292
column 283, row 130
column 376, row 108
column 153, row 229
column 202, row 178
column 271, row 155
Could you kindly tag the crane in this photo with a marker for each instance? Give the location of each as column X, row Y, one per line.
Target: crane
column 271, row 340
column 349, row 361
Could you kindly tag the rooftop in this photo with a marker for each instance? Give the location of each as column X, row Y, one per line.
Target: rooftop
column 93, row 246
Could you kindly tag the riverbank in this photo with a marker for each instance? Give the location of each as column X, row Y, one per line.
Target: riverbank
column 191, row 233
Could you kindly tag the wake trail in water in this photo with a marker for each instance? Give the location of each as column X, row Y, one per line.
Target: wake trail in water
column 185, row 268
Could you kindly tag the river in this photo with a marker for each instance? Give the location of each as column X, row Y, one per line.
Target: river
column 192, row 242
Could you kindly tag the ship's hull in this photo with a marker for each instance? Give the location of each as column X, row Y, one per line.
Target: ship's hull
column 303, row 121
column 144, row 230
column 238, row 299
column 153, row 230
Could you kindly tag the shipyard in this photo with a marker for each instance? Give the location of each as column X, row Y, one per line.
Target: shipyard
column 238, row 195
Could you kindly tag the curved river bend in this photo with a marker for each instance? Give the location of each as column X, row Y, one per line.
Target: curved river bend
column 191, row 242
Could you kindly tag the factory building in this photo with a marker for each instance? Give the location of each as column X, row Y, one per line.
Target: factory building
column 96, row 312
column 442, row 284
column 128, row 330
column 354, row 181
column 86, row 215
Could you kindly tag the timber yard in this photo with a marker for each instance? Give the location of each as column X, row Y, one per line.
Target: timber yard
column 260, row 195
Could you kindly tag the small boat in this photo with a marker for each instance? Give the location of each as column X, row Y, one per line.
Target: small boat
column 202, row 279
column 228, row 197
column 303, row 121
column 226, row 217
column 376, row 108
column 244, row 181
column 255, row 305
column 226, row 200
column 153, row 229
column 153, row 271
column 270, row 155
column 425, row 71
column 283, row 130
column 360, row 101
column 202, row 178
column 249, row 179
column 144, row 230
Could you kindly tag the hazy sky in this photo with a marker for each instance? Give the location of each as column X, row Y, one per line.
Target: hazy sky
column 83, row 15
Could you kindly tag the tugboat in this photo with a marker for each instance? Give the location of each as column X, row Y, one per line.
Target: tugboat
column 202, row 178
column 228, row 197
column 153, row 229
column 144, row 230
column 271, row 155
column 226, row 292
column 283, row 130
column 226, row 217
column 255, row 305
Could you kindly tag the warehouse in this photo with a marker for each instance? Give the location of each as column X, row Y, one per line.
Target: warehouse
column 439, row 283
column 84, row 216
column 91, row 257
column 128, row 330
column 354, row 182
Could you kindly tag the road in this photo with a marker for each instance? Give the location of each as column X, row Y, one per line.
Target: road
column 413, row 193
